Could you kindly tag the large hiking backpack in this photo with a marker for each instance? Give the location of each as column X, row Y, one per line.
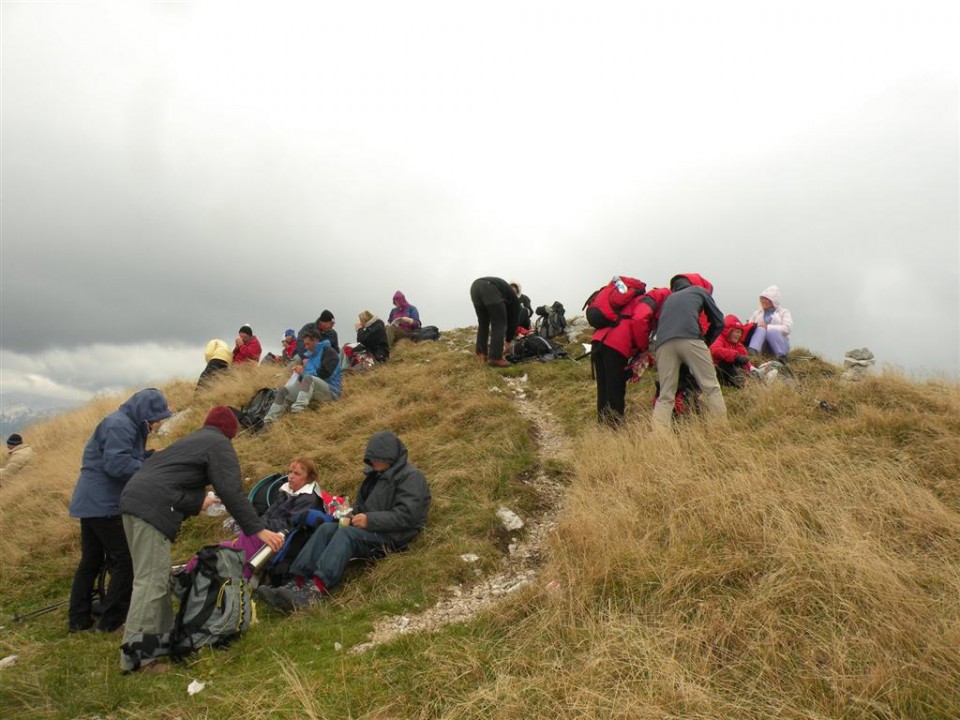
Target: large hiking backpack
column 551, row 321
column 251, row 415
column 604, row 305
column 215, row 603
column 534, row 347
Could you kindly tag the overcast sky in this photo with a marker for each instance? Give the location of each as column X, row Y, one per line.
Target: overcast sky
column 171, row 171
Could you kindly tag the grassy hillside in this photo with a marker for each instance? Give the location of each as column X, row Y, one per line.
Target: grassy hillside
column 804, row 563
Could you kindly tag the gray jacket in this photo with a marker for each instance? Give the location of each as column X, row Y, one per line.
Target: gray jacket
column 397, row 499
column 680, row 316
column 171, row 485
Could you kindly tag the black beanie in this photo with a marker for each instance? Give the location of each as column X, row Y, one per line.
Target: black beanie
column 246, row 329
column 325, row 316
column 14, row 439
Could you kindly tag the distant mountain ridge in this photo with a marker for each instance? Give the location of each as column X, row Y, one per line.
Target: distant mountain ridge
column 21, row 410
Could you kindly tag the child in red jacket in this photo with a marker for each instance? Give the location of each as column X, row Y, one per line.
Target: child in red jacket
column 729, row 354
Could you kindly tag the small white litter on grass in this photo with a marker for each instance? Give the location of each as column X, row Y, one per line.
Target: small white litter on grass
column 337, row 646
column 470, row 558
column 194, row 687
column 8, row 661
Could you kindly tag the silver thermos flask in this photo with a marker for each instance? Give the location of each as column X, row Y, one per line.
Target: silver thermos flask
column 262, row 556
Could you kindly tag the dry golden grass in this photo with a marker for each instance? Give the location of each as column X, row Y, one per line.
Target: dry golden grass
column 802, row 563
column 799, row 564
column 435, row 400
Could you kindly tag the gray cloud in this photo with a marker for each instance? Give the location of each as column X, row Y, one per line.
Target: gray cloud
column 260, row 174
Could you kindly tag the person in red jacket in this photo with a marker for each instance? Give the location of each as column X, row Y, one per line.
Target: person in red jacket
column 247, row 347
column 614, row 346
column 729, row 354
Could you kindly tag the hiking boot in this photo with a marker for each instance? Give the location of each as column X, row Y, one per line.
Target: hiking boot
column 80, row 627
column 268, row 595
column 131, row 663
column 295, row 598
column 499, row 363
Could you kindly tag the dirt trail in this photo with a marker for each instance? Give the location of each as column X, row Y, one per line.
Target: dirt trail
column 520, row 565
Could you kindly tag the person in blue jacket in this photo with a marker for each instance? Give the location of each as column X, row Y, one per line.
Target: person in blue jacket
column 319, row 377
column 114, row 452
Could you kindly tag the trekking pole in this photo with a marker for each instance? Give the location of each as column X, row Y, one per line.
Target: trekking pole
column 38, row 612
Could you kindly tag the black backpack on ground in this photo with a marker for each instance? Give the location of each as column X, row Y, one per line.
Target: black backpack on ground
column 427, row 332
column 534, row 347
column 251, row 415
column 551, row 321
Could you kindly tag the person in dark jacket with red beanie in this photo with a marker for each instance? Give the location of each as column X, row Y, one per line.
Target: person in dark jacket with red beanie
column 170, row 487
column 614, row 346
column 729, row 354
column 498, row 316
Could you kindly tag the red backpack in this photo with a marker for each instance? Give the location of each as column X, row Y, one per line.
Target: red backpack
column 603, row 306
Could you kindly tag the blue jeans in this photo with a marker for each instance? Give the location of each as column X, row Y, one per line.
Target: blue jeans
column 331, row 547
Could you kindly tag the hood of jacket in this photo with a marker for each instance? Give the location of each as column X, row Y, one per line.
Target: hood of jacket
column 687, row 279
column 387, row 447
column 217, row 350
column 146, row 406
column 731, row 323
column 772, row 294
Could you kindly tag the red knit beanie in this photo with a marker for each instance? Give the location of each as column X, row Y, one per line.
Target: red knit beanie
column 222, row 418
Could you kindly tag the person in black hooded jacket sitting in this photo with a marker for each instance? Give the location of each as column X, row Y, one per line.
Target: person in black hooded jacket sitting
column 372, row 334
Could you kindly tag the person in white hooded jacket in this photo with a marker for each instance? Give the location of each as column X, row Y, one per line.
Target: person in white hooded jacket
column 773, row 324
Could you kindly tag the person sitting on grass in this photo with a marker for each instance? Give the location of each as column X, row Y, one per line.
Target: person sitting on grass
column 318, row 377
column 403, row 320
column 299, row 493
column 372, row 335
column 288, row 348
column 768, row 328
column 246, row 347
column 20, row 456
column 218, row 357
column 390, row 509
column 729, row 354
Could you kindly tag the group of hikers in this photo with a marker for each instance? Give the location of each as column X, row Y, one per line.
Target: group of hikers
column 131, row 501
column 695, row 343
column 314, row 355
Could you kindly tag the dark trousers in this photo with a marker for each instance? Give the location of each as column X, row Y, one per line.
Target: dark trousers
column 331, row 547
column 102, row 543
column 491, row 311
column 610, row 368
column 730, row 374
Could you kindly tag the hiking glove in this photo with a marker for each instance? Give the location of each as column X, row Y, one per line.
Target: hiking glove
column 311, row 518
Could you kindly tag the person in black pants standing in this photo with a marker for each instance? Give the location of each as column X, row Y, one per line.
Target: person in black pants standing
column 114, row 452
column 498, row 314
